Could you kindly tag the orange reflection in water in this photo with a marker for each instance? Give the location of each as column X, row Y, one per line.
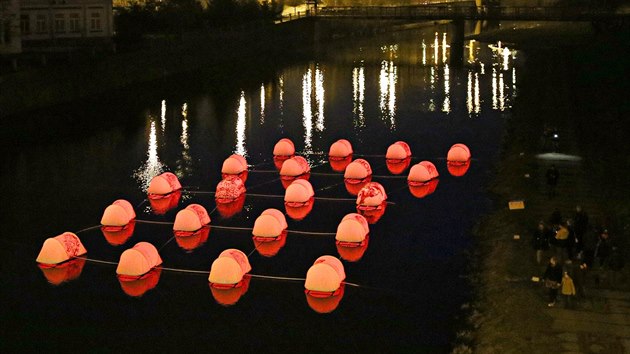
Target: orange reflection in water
column 270, row 246
column 326, row 304
column 162, row 205
column 138, row 287
column 352, row 253
column 396, row 167
column 372, row 214
column 57, row 274
column 296, row 212
column 227, row 210
column 424, row 189
column 228, row 296
column 458, row 169
column 196, row 240
column 117, row 236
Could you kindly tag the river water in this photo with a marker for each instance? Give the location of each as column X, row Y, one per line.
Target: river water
column 407, row 289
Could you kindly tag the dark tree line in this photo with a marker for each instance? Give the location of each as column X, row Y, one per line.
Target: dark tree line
column 174, row 17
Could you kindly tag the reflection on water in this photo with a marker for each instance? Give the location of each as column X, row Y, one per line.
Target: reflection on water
column 446, row 106
column 240, row 126
column 262, row 103
column 163, row 116
column 152, row 167
column 307, row 111
column 184, row 165
column 388, row 78
column 319, row 98
column 358, row 94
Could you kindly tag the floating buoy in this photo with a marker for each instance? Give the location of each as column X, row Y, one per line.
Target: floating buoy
column 137, row 261
column 230, row 296
column 458, row 153
column 60, row 248
column 325, row 276
column 352, row 230
column 295, row 167
column 138, row 287
column 340, row 150
column 117, row 216
column 358, row 171
column 229, row 189
column 269, row 225
column 371, row 196
column 299, row 193
column 235, row 165
column 228, row 269
column 424, row 189
column 398, row 151
column 163, row 185
column 457, row 169
column 190, row 220
column 64, row 272
column 421, row 173
column 282, row 151
column 299, row 199
column 163, row 205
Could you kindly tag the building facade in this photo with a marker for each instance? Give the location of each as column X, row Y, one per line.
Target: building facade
column 65, row 24
column 10, row 42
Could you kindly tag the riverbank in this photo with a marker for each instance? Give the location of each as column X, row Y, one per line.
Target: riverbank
column 511, row 313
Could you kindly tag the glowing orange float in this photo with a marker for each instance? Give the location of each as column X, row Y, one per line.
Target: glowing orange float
column 137, row 261
column 269, row 233
column 340, row 150
column 162, row 185
column 352, row 230
column 294, row 168
column 59, row 249
column 372, row 202
column 282, row 151
column 299, row 199
column 229, row 189
column 228, row 270
column 458, row 153
column 325, row 277
column 117, row 216
column 398, row 157
column 358, row 171
column 63, row 272
column 138, row 287
column 235, row 165
column 190, row 220
column 421, row 173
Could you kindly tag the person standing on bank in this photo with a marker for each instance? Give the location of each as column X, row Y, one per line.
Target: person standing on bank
column 568, row 290
column 561, row 242
column 540, row 241
column 552, row 180
column 553, row 279
column 580, row 226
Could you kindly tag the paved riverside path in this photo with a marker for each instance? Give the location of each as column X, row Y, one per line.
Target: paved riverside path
column 600, row 323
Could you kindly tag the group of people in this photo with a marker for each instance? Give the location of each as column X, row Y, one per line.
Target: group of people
column 574, row 251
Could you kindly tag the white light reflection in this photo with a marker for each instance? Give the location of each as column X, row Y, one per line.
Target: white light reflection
column 446, row 106
column 472, row 99
column 307, row 112
column 262, row 103
column 163, row 115
column 186, row 159
column 494, row 89
column 506, row 58
column 424, row 53
column 513, row 81
column 436, row 46
column 387, row 82
column 477, row 94
column 444, row 46
column 281, row 99
column 471, row 51
column 152, row 167
column 501, row 92
column 469, row 93
column 319, row 98
column 358, row 94
column 240, row 126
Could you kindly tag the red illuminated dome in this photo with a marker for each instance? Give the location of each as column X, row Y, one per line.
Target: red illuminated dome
column 235, row 165
column 229, row 189
column 269, row 225
column 358, row 171
column 284, row 148
column 163, row 185
column 324, row 278
column 371, row 196
column 458, row 153
column 137, row 261
column 299, row 193
column 294, row 167
column 118, row 215
column 340, row 150
column 61, row 248
column 228, row 269
column 398, row 151
column 422, row 173
column 352, row 231
column 190, row 220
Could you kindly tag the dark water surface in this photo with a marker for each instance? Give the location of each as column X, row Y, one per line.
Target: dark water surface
column 374, row 92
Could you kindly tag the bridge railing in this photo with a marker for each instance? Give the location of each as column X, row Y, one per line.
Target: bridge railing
column 466, row 11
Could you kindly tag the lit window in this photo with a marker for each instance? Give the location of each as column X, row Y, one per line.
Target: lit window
column 40, row 24
column 95, row 22
column 74, row 23
column 60, row 23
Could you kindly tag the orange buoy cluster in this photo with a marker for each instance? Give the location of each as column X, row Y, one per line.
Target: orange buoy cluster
column 139, row 267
